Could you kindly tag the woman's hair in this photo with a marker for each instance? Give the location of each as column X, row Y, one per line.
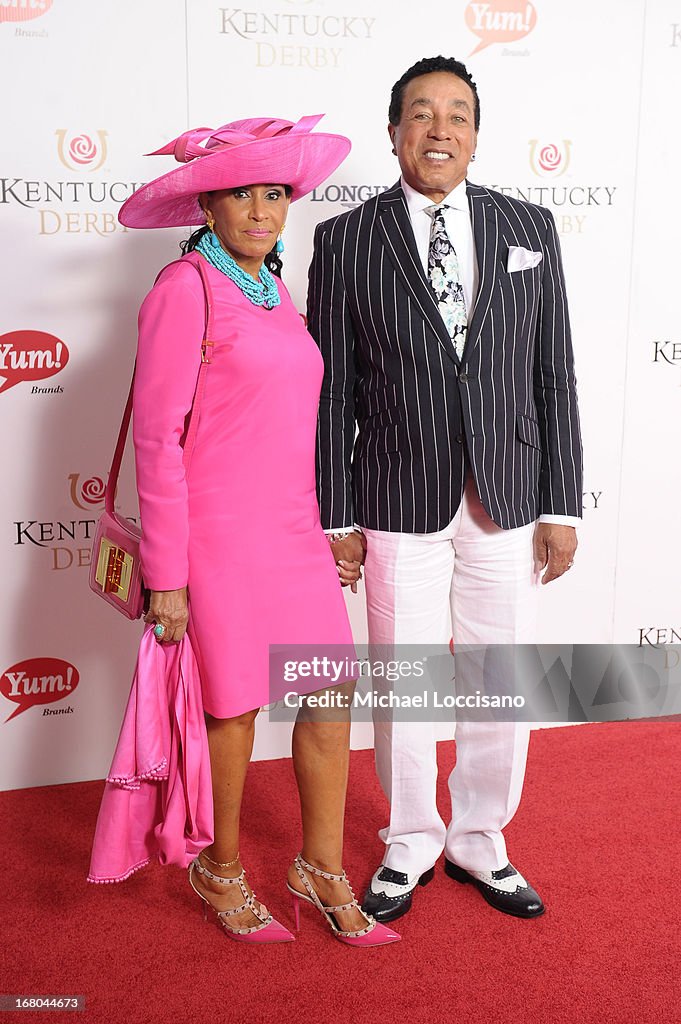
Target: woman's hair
column 272, row 261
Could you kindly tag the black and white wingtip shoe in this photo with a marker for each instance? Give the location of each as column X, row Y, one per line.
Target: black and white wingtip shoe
column 389, row 895
column 505, row 890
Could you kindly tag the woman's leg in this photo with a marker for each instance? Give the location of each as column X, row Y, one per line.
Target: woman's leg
column 321, row 742
column 230, row 741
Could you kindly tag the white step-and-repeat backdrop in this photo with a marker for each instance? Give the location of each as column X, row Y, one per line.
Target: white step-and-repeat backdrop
column 579, row 113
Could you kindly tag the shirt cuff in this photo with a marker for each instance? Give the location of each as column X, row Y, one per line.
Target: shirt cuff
column 344, row 529
column 561, row 520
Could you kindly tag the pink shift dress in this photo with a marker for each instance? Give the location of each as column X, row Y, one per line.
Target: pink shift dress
column 242, row 528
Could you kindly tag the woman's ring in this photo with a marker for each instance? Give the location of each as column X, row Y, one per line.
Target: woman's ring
column 159, row 630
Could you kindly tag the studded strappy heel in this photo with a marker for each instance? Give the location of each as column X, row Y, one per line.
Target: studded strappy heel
column 374, row 934
column 269, row 929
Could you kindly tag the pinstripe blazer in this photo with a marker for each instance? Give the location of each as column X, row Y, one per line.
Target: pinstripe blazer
column 398, row 408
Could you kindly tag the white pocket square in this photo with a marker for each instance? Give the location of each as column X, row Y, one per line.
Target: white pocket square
column 522, row 259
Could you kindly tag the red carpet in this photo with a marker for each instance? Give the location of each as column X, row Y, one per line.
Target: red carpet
column 597, row 832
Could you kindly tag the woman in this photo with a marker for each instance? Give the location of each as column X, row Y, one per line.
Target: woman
column 233, row 552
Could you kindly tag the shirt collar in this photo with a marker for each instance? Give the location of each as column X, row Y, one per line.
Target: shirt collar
column 417, row 203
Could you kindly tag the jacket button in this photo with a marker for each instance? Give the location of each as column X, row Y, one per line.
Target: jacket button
column 459, row 438
column 463, row 377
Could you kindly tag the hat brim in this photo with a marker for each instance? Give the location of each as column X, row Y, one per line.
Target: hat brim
column 302, row 161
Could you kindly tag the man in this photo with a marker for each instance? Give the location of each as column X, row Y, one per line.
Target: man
column 440, row 310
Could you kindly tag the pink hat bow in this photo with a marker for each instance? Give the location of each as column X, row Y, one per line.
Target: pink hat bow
column 204, row 141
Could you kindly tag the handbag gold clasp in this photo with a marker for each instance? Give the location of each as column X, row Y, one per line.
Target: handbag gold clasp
column 114, row 569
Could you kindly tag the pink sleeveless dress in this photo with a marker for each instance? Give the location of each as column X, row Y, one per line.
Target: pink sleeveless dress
column 242, row 528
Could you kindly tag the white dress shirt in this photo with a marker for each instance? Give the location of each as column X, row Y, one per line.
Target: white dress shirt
column 459, row 228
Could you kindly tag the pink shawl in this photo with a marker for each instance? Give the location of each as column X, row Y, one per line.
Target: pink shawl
column 158, row 800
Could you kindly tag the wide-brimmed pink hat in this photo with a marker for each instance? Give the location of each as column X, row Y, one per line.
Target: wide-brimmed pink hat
column 257, row 151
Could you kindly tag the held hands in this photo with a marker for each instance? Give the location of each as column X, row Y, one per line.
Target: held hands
column 554, row 549
column 349, row 554
column 169, row 608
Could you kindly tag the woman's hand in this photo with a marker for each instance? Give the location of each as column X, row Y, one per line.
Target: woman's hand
column 169, row 608
column 349, row 573
column 349, row 554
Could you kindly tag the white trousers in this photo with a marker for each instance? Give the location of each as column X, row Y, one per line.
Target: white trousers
column 477, row 583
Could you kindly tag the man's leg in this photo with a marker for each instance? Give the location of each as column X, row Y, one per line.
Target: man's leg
column 408, row 581
column 494, row 601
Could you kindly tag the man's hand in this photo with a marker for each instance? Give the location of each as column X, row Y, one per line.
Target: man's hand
column 554, row 549
column 349, row 555
column 169, row 609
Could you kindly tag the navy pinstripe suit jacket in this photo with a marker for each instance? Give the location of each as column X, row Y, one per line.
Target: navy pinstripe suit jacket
column 397, row 406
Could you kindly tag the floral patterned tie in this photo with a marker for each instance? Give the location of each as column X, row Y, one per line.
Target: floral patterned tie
column 445, row 280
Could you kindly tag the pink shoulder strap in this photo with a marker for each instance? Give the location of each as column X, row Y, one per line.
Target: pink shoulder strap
column 192, row 426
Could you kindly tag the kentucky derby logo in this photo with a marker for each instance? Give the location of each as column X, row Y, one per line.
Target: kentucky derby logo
column 38, row 681
column 550, row 160
column 667, row 352
column 500, row 21
column 88, row 494
column 23, row 10
column 81, row 152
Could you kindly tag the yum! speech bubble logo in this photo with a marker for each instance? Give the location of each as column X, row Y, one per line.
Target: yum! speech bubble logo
column 30, row 355
column 38, row 681
column 23, row 10
column 500, row 21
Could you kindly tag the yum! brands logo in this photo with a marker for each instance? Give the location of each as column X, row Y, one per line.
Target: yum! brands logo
column 500, row 21
column 31, row 356
column 548, row 159
column 23, row 10
column 39, row 681
column 81, row 152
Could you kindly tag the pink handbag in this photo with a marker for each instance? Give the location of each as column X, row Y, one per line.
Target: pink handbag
column 115, row 567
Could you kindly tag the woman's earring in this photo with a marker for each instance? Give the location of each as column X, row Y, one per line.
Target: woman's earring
column 279, row 247
column 472, row 157
column 210, row 223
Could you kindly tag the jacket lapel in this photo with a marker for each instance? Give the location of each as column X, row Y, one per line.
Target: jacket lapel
column 486, row 234
column 395, row 227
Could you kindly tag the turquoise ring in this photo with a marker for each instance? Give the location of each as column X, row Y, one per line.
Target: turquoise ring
column 159, row 630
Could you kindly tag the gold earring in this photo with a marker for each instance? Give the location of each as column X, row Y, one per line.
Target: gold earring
column 210, row 221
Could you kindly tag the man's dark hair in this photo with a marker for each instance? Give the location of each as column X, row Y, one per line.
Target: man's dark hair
column 426, row 67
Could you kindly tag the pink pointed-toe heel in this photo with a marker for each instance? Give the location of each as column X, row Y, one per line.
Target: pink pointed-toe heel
column 374, row 934
column 269, row 929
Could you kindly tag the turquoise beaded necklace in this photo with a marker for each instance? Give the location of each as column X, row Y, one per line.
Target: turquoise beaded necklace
column 262, row 292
